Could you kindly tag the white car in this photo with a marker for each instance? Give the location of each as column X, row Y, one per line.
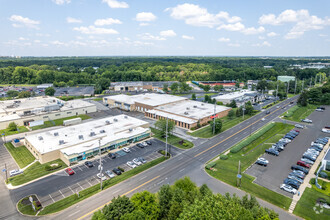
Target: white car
column 137, row 162
column 299, row 126
column 101, row 176
column 144, row 143
column 286, row 140
column 325, row 130
column 15, row 172
column 306, row 120
column 263, row 119
column 288, row 188
column 126, row 149
column 317, row 144
column 110, row 174
column 131, row 164
column 319, row 110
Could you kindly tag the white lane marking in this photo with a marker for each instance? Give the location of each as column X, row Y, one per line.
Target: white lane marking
column 160, row 182
column 80, row 168
column 116, row 191
column 161, row 168
column 74, row 213
column 61, row 193
column 143, row 177
column 181, row 170
column 51, row 198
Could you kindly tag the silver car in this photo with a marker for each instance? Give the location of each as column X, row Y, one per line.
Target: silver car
column 299, row 126
column 110, row 174
column 288, row 188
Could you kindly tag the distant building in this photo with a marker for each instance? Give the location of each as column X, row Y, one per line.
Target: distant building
column 225, row 84
column 44, row 86
column 139, row 86
column 240, row 97
column 286, row 78
column 326, row 161
column 74, row 91
column 268, row 67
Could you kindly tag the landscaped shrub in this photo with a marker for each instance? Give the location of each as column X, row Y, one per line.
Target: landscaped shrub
column 49, row 167
column 252, row 138
column 323, row 175
column 291, row 111
column 210, row 165
column 223, row 157
column 121, row 169
column 312, row 181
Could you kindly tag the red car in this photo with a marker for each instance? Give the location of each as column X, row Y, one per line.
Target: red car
column 297, row 131
column 69, row 171
column 303, row 164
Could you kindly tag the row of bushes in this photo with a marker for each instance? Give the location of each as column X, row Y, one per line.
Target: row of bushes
column 291, row 111
column 49, row 167
column 163, row 152
column 210, row 165
column 252, row 138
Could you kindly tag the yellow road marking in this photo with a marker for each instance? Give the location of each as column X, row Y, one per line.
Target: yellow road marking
column 121, row 195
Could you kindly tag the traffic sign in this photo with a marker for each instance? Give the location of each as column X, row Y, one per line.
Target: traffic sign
column 239, row 176
column 4, row 170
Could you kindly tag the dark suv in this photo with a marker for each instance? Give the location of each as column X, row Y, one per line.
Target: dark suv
column 294, row 183
column 296, row 167
column 272, row 152
column 140, row 145
column 116, row 171
column 89, row 164
column 112, row 155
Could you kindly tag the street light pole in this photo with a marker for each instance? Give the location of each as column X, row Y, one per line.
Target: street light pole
column 100, row 166
column 215, row 106
column 166, row 137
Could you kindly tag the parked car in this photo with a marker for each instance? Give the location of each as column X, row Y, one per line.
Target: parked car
column 323, row 108
column 15, row 172
column 295, row 184
column 312, row 151
column 112, row 155
column 267, row 112
column 137, row 162
column 307, row 161
column 126, row 149
column 315, row 148
column 144, row 144
column 296, row 167
column 277, row 148
column 110, row 174
column 101, row 176
column 298, row 173
column 309, row 157
column 303, row 164
column 149, row 142
column 272, row 152
column 299, row 126
column 319, row 110
column 319, row 145
column 117, row 171
column 89, row 164
column 262, row 161
column 140, row 145
column 131, row 164
column 325, row 130
column 288, row 188
column 306, row 120
column 142, row 160
column 69, row 171
column 293, row 177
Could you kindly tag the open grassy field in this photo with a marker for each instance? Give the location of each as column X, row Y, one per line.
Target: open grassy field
column 298, row 112
column 22, row 156
column 226, row 170
column 58, row 122
column 21, row 129
column 172, row 139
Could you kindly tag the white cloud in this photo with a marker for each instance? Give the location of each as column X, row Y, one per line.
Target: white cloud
column 186, row 37
column 107, row 21
column 73, row 20
column 148, row 36
column 61, row 2
column 223, row 39
column 37, row 41
column 168, row 33
column 225, row 15
column 323, row 35
column 234, row 45
column 140, row 43
column 20, row 21
column 144, row 24
column 94, row 30
column 252, row 30
column 232, row 27
column 301, row 19
column 145, row 16
column 272, row 34
column 261, row 38
column 263, row 44
column 57, row 43
column 22, row 38
column 116, row 4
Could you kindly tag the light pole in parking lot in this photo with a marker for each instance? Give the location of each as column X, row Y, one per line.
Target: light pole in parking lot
column 100, row 166
column 166, row 137
column 215, row 106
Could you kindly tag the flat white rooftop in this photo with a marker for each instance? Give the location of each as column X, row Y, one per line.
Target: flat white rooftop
column 191, row 109
column 151, row 99
column 83, row 137
column 233, row 95
column 173, row 117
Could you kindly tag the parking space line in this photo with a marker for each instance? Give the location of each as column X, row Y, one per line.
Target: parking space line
column 51, row 197
column 81, row 186
column 71, row 189
column 79, row 168
column 61, row 193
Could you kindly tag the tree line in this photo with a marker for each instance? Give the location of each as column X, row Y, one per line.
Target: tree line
column 183, row 200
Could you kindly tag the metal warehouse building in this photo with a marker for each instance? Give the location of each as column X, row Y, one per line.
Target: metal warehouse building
column 78, row 142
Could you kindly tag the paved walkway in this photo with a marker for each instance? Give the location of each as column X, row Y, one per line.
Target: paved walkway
column 309, row 176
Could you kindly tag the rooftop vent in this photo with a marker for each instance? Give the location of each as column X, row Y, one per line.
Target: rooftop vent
column 92, row 134
column 188, row 108
column 130, row 129
column 125, row 116
column 56, row 134
column 81, row 137
column 61, row 142
column 102, row 131
column 195, row 106
column 115, row 119
column 40, row 138
column 186, row 113
column 202, row 104
column 107, row 122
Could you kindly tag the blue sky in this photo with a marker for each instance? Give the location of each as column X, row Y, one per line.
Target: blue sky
column 159, row 27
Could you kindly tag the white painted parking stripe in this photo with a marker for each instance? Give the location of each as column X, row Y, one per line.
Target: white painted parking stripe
column 81, row 186
column 79, row 168
column 51, row 198
column 61, row 193
column 71, row 189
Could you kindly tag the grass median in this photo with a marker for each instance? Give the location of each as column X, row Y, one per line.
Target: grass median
column 172, row 139
column 297, row 113
column 58, row 122
column 226, row 170
column 84, row 194
column 22, row 156
column 36, row 171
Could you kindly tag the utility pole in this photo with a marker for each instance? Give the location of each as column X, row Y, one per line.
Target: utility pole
column 276, row 90
column 100, row 166
column 243, row 109
column 315, row 80
column 6, row 173
column 215, row 106
column 303, row 85
column 166, row 137
column 310, row 83
column 295, row 87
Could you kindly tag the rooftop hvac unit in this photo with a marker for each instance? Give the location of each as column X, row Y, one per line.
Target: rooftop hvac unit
column 195, row 106
column 56, row 134
column 107, row 122
column 102, row 131
column 40, row 138
column 61, row 142
column 130, row 129
column 125, row 116
column 81, row 137
column 188, row 108
column 202, row 104
column 186, row 113
column 92, row 134
column 115, row 119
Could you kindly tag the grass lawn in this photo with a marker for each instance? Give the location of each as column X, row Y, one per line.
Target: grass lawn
column 291, row 95
column 209, row 94
column 84, row 194
column 58, row 122
column 35, row 171
column 21, row 129
column 97, row 99
column 227, row 123
column 299, row 112
column 172, row 139
column 25, row 207
column 226, row 170
column 324, row 184
column 305, row 205
column 22, row 156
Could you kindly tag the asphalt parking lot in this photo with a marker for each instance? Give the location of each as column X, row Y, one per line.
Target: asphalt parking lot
column 279, row 167
column 85, row 177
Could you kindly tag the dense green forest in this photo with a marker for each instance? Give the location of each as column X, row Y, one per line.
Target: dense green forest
column 183, row 200
column 80, row 70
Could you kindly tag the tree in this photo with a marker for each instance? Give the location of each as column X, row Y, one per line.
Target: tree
column 146, row 202
column 98, row 216
column 193, row 96
column 50, row 91
column 161, row 125
column 135, row 215
column 206, row 98
column 204, row 190
column 118, row 207
column 218, row 125
column 231, row 114
column 237, row 84
column 239, row 112
column 207, row 88
column 164, row 198
column 12, row 93
column 233, row 104
column 12, row 126
column 184, row 87
column 302, row 100
column 262, row 85
column 314, row 95
column 165, row 88
column 24, row 94
column 174, row 87
column 218, row 88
